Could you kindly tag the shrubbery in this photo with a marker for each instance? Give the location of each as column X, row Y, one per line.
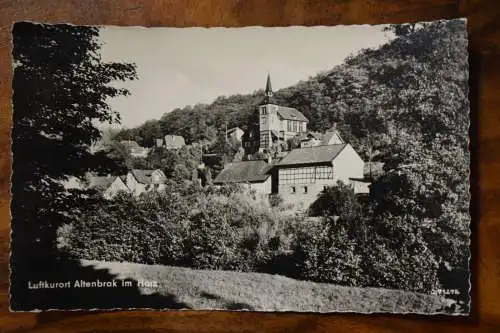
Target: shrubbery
column 206, row 228
column 228, row 228
column 327, row 253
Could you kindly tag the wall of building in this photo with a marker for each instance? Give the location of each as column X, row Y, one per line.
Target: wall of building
column 300, row 198
column 136, row 187
column 262, row 187
column 347, row 165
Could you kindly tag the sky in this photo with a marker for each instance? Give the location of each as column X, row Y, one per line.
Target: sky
column 184, row 66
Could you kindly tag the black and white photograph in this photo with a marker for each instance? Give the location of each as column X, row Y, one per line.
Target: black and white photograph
column 285, row 169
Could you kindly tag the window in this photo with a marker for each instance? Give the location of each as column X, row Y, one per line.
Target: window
column 305, row 189
column 264, row 139
column 293, row 126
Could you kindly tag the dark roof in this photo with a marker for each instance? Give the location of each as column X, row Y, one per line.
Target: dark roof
column 309, row 135
column 291, row 113
column 312, row 155
column 142, row 176
column 316, row 135
column 100, row 182
column 248, row 171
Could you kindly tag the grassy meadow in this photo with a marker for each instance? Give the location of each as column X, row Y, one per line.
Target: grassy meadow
column 228, row 290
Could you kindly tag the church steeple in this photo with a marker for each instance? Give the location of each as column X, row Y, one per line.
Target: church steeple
column 269, row 90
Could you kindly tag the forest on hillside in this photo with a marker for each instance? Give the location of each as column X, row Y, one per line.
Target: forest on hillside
column 416, row 83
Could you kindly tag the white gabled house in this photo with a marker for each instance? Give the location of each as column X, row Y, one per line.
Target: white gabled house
column 118, row 185
column 136, row 182
column 305, row 172
column 235, row 133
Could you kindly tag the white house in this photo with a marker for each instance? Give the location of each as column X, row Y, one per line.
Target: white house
column 118, row 185
column 313, row 139
column 235, row 133
column 174, row 141
column 134, row 149
column 137, row 181
column 305, row 172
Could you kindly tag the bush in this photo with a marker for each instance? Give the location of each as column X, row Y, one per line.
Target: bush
column 326, row 253
column 212, row 241
column 335, row 201
column 397, row 256
column 275, row 200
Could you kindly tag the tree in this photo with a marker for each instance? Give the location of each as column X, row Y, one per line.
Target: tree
column 61, row 87
column 338, row 200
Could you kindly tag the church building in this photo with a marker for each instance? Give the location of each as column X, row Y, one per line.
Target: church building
column 278, row 123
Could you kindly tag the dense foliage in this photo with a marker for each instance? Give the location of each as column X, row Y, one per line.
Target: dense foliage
column 211, row 228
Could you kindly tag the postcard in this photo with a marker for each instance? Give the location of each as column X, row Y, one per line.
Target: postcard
column 305, row 169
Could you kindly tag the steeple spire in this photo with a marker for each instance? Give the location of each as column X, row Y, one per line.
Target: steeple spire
column 269, row 90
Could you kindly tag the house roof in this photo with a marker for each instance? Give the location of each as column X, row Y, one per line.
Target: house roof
column 142, row 176
column 100, row 182
column 316, row 135
column 312, row 155
column 329, row 135
column 291, row 114
column 248, row 171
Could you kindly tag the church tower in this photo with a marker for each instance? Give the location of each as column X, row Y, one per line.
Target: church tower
column 268, row 118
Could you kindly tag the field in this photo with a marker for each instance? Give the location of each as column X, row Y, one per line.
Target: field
column 207, row 289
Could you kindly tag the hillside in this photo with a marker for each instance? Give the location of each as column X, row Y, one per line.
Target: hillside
column 410, row 83
column 207, row 289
